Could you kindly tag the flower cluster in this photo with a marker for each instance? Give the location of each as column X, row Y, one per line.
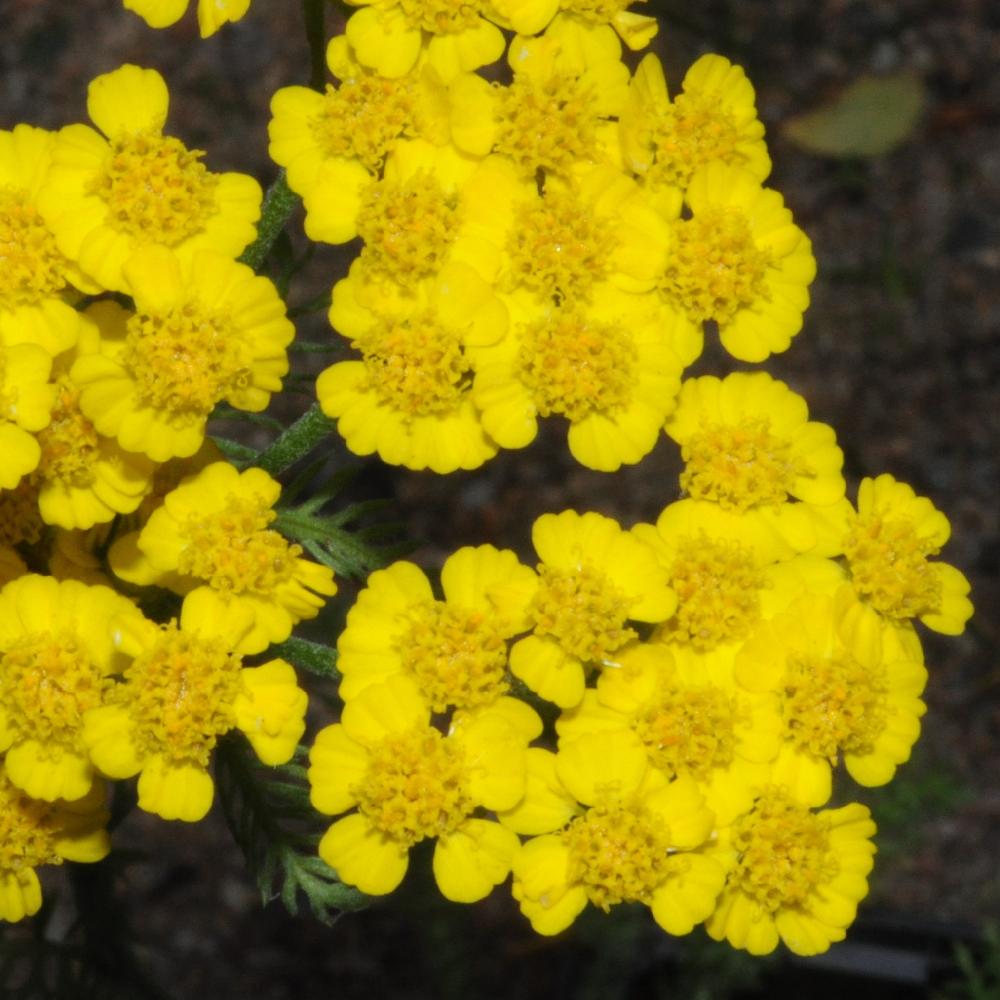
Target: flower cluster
column 552, row 245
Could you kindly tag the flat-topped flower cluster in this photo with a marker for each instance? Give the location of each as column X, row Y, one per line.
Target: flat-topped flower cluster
column 651, row 713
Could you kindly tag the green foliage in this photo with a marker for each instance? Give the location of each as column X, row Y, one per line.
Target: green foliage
column 980, row 969
column 272, row 821
column 313, row 657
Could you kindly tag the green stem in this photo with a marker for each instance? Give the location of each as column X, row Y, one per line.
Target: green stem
column 279, row 203
column 296, row 442
column 313, row 12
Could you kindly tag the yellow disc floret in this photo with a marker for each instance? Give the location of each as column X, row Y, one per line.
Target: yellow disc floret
column 363, row 117
column 179, row 694
column 738, row 466
column 458, row 657
column 718, row 587
column 598, row 11
column 47, row 682
column 441, row 17
column 574, row 366
column 889, row 566
column 689, row 731
column 415, row 787
column 583, row 611
column 25, row 834
column 546, row 124
column 31, row 267
column 155, row 188
column 70, row 444
column 783, row 852
column 407, row 228
column 184, row 360
column 235, row 551
column 619, row 852
column 716, row 268
column 416, row 366
column 834, row 705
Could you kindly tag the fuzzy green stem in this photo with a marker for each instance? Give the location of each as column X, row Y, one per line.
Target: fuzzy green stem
column 279, row 203
column 313, row 12
column 296, row 442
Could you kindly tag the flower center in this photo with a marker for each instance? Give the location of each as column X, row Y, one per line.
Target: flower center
column 31, row 267
column 547, row 124
column 738, row 466
column 689, row 731
column 695, row 130
column 25, row 838
column 834, row 705
column 619, row 852
column 363, row 117
column 47, row 682
column 718, row 588
column 575, row 367
column 407, row 228
column 183, row 360
column 599, row 11
column 416, row 366
column 458, row 657
column 558, row 248
column 235, row 551
column 180, row 695
column 20, row 518
column 583, row 611
column 415, row 787
column 716, row 269
column 441, row 17
column 889, row 566
column 783, row 852
column 70, row 445
column 156, row 189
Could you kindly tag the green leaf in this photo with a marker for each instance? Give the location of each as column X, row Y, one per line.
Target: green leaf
column 312, row 656
column 870, row 117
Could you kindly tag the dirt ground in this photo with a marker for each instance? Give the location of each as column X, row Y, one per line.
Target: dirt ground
column 900, row 353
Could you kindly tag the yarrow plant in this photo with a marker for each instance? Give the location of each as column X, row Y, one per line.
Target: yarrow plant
column 650, row 713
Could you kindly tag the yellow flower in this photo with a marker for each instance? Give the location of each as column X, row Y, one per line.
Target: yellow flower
column 713, row 119
column 212, row 533
column 26, row 401
column 741, row 261
column 847, row 687
column 107, row 196
column 691, row 718
column 798, row 875
column 185, row 687
column 36, row 279
column 610, row 368
column 410, row 782
column 528, row 17
column 451, row 36
column 594, row 579
column 454, row 649
column 205, row 329
column 638, row 838
column 888, row 544
column 556, row 114
column 56, row 659
column 409, row 398
column 34, row 833
column 212, row 14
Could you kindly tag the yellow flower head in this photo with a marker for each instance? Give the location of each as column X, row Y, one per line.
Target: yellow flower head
column 409, row 399
column 888, row 544
column 454, row 649
column 740, row 261
column 410, row 782
column 212, row 14
column 34, row 833
column 26, row 401
column 637, row 838
column 205, row 329
column 213, row 532
column 798, row 875
column 594, row 579
column 186, row 687
column 528, row 17
column 847, row 686
column 56, row 658
column 107, row 196
column 712, row 120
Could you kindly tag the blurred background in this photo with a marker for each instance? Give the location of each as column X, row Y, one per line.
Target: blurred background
column 900, row 193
